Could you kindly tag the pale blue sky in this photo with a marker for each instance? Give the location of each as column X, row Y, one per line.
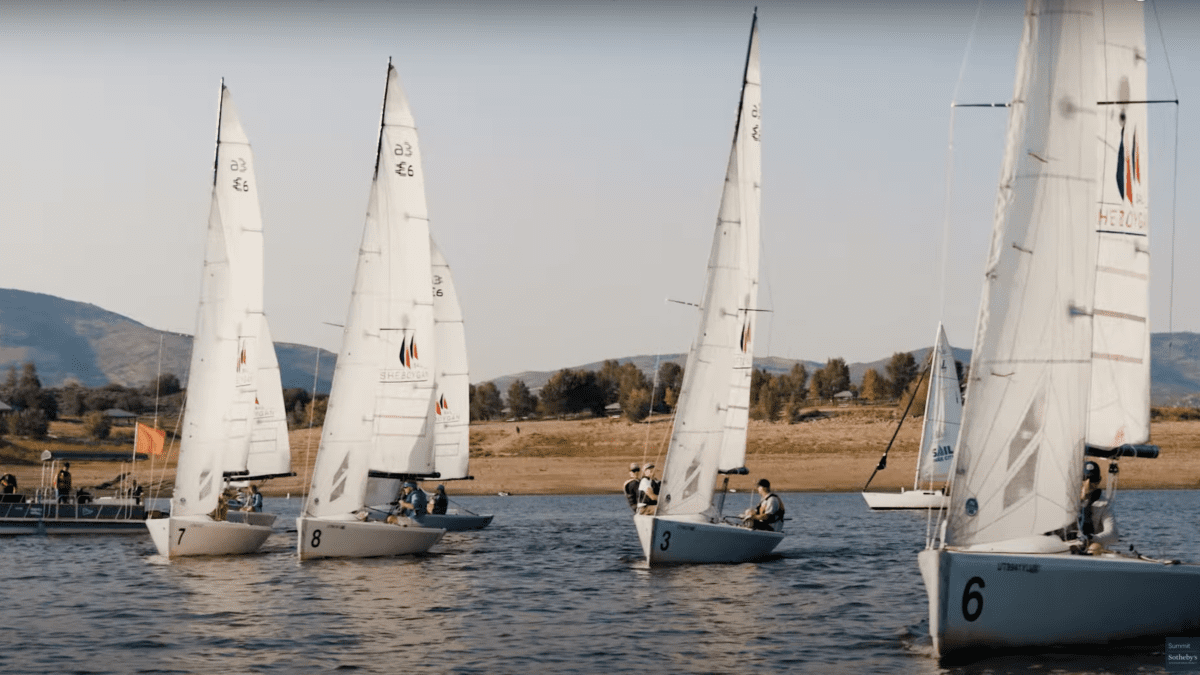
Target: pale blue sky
column 574, row 154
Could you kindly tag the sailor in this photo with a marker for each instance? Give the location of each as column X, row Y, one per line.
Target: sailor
column 8, row 483
column 1089, row 494
column 412, row 503
column 648, row 491
column 254, row 500
column 631, row 486
column 768, row 515
column 62, row 483
column 439, row 502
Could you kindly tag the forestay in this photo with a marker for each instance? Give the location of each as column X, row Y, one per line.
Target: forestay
column 1020, row 452
column 1120, row 392
column 231, row 346
column 381, row 403
column 452, row 404
column 710, row 423
column 943, row 414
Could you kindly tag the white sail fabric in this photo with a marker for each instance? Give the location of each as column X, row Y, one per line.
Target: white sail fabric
column 943, row 415
column 1020, row 452
column 709, row 398
column 227, row 348
column 269, row 453
column 452, row 405
column 748, row 155
column 381, row 403
column 1120, row 393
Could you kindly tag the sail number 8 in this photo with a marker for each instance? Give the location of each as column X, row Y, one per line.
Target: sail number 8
column 316, row 539
column 969, row 595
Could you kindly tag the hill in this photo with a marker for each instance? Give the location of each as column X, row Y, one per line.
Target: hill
column 78, row 341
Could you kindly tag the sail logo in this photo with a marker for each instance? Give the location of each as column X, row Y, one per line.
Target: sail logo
column 744, row 344
column 942, row 453
column 1129, row 165
column 444, row 414
column 245, row 376
column 410, row 370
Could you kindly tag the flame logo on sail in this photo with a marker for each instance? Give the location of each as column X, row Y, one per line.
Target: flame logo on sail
column 408, row 351
column 441, row 406
column 744, row 344
column 1129, row 166
column 241, row 357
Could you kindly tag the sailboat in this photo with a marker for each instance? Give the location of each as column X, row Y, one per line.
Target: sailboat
column 709, row 437
column 381, row 407
column 1060, row 369
column 943, row 413
column 235, row 426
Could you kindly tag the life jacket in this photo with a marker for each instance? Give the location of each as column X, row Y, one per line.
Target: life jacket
column 776, row 517
column 631, row 490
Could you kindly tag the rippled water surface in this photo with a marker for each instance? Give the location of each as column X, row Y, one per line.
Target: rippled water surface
column 556, row 584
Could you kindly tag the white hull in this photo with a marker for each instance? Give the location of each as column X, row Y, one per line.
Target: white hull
column 336, row 538
column 906, row 499
column 980, row 601
column 669, row 540
column 456, row 522
column 201, row 535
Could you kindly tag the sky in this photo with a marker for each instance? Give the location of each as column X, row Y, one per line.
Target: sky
column 574, row 154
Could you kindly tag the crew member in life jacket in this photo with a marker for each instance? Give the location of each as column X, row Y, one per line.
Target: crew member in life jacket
column 1089, row 494
column 631, row 486
column 648, row 489
column 439, row 502
column 768, row 515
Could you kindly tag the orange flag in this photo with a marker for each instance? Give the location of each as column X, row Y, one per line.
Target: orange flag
column 150, row 440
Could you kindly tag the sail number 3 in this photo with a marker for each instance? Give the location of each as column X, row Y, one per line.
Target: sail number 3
column 969, row 595
column 666, row 542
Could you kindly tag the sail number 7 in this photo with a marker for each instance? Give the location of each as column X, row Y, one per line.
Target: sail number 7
column 969, row 595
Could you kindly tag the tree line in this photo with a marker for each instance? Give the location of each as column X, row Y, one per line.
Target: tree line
column 772, row 397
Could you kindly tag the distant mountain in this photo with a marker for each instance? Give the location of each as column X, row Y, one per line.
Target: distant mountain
column 78, row 341
column 1174, row 368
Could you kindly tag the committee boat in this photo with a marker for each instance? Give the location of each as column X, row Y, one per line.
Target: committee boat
column 378, row 427
column 709, row 437
column 234, row 422
column 115, row 507
column 939, row 433
column 1060, row 368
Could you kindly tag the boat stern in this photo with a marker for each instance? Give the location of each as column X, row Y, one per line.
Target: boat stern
column 930, row 563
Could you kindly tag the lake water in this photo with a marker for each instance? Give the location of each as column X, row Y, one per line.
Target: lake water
column 555, row 584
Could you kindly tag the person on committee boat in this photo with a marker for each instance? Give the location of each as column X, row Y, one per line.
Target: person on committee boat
column 631, row 486
column 8, row 483
column 768, row 515
column 62, row 483
column 439, row 502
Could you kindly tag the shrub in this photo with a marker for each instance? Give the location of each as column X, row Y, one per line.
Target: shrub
column 97, row 425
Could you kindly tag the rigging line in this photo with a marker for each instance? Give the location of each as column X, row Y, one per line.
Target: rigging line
column 1174, row 200
column 883, row 460
column 962, row 71
column 1166, row 55
column 653, row 388
column 312, row 412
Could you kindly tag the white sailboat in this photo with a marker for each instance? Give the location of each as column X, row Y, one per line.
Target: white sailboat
column 381, row 407
column 451, row 429
column 943, row 414
column 234, row 422
column 711, row 419
column 1062, row 340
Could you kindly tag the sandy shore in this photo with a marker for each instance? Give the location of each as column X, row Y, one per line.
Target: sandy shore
column 592, row 456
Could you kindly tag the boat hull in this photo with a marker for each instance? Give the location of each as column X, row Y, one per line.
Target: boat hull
column 335, row 538
column 676, row 540
column 54, row 518
column 176, row 536
column 456, row 522
column 906, row 499
column 982, row 601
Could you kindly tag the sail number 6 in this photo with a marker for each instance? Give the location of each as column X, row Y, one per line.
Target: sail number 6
column 969, row 595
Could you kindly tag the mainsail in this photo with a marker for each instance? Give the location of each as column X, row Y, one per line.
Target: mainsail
column 1021, row 448
column 710, row 423
column 381, row 404
column 943, row 415
column 1120, row 392
column 452, row 404
column 232, row 346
